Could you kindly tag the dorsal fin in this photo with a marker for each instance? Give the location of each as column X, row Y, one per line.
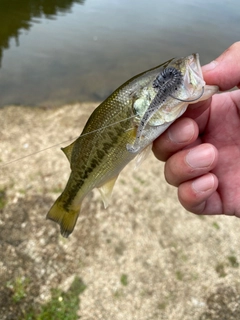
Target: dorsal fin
column 68, row 151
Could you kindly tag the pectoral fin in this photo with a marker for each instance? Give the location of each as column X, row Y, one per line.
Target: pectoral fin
column 106, row 191
column 142, row 156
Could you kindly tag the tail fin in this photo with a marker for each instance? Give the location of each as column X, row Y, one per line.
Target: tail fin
column 66, row 219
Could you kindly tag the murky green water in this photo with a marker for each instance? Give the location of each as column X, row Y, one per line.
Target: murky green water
column 55, row 52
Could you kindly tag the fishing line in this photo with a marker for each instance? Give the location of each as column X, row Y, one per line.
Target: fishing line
column 58, row 144
column 166, row 82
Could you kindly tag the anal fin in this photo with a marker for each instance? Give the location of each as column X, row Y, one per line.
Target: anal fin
column 106, row 191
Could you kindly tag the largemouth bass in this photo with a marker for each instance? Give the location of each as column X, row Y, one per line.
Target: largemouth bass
column 123, row 126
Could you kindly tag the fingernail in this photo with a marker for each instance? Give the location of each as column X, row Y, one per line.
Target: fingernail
column 210, row 66
column 200, row 157
column 203, row 184
column 181, row 132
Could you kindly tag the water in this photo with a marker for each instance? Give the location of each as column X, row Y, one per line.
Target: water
column 68, row 51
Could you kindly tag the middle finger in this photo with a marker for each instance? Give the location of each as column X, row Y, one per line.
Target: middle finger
column 190, row 163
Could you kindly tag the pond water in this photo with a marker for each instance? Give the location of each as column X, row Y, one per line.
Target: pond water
column 57, row 52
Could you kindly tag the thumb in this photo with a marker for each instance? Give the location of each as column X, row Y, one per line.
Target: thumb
column 225, row 70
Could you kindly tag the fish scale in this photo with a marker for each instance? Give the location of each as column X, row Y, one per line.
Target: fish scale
column 100, row 153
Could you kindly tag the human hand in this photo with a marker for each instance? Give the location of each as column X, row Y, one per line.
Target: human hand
column 202, row 148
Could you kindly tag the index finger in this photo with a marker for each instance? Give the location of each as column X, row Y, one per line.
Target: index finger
column 180, row 134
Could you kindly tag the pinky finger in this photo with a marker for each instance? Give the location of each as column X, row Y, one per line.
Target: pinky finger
column 200, row 196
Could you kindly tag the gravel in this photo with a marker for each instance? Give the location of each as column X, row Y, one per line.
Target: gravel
column 144, row 257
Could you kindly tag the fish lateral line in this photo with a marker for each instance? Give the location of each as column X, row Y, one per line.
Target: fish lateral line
column 58, row 144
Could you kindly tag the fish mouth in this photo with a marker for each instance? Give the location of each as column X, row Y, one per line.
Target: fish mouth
column 193, row 78
column 189, row 65
column 193, row 82
column 194, row 65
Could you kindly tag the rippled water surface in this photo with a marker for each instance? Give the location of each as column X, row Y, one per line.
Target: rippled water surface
column 56, row 52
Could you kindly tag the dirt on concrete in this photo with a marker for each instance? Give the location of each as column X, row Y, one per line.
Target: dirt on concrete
column 144, row 257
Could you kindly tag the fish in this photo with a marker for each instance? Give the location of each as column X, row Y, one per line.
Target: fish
column 123, row 127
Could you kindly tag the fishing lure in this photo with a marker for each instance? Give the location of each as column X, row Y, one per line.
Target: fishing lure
column 168, row 81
